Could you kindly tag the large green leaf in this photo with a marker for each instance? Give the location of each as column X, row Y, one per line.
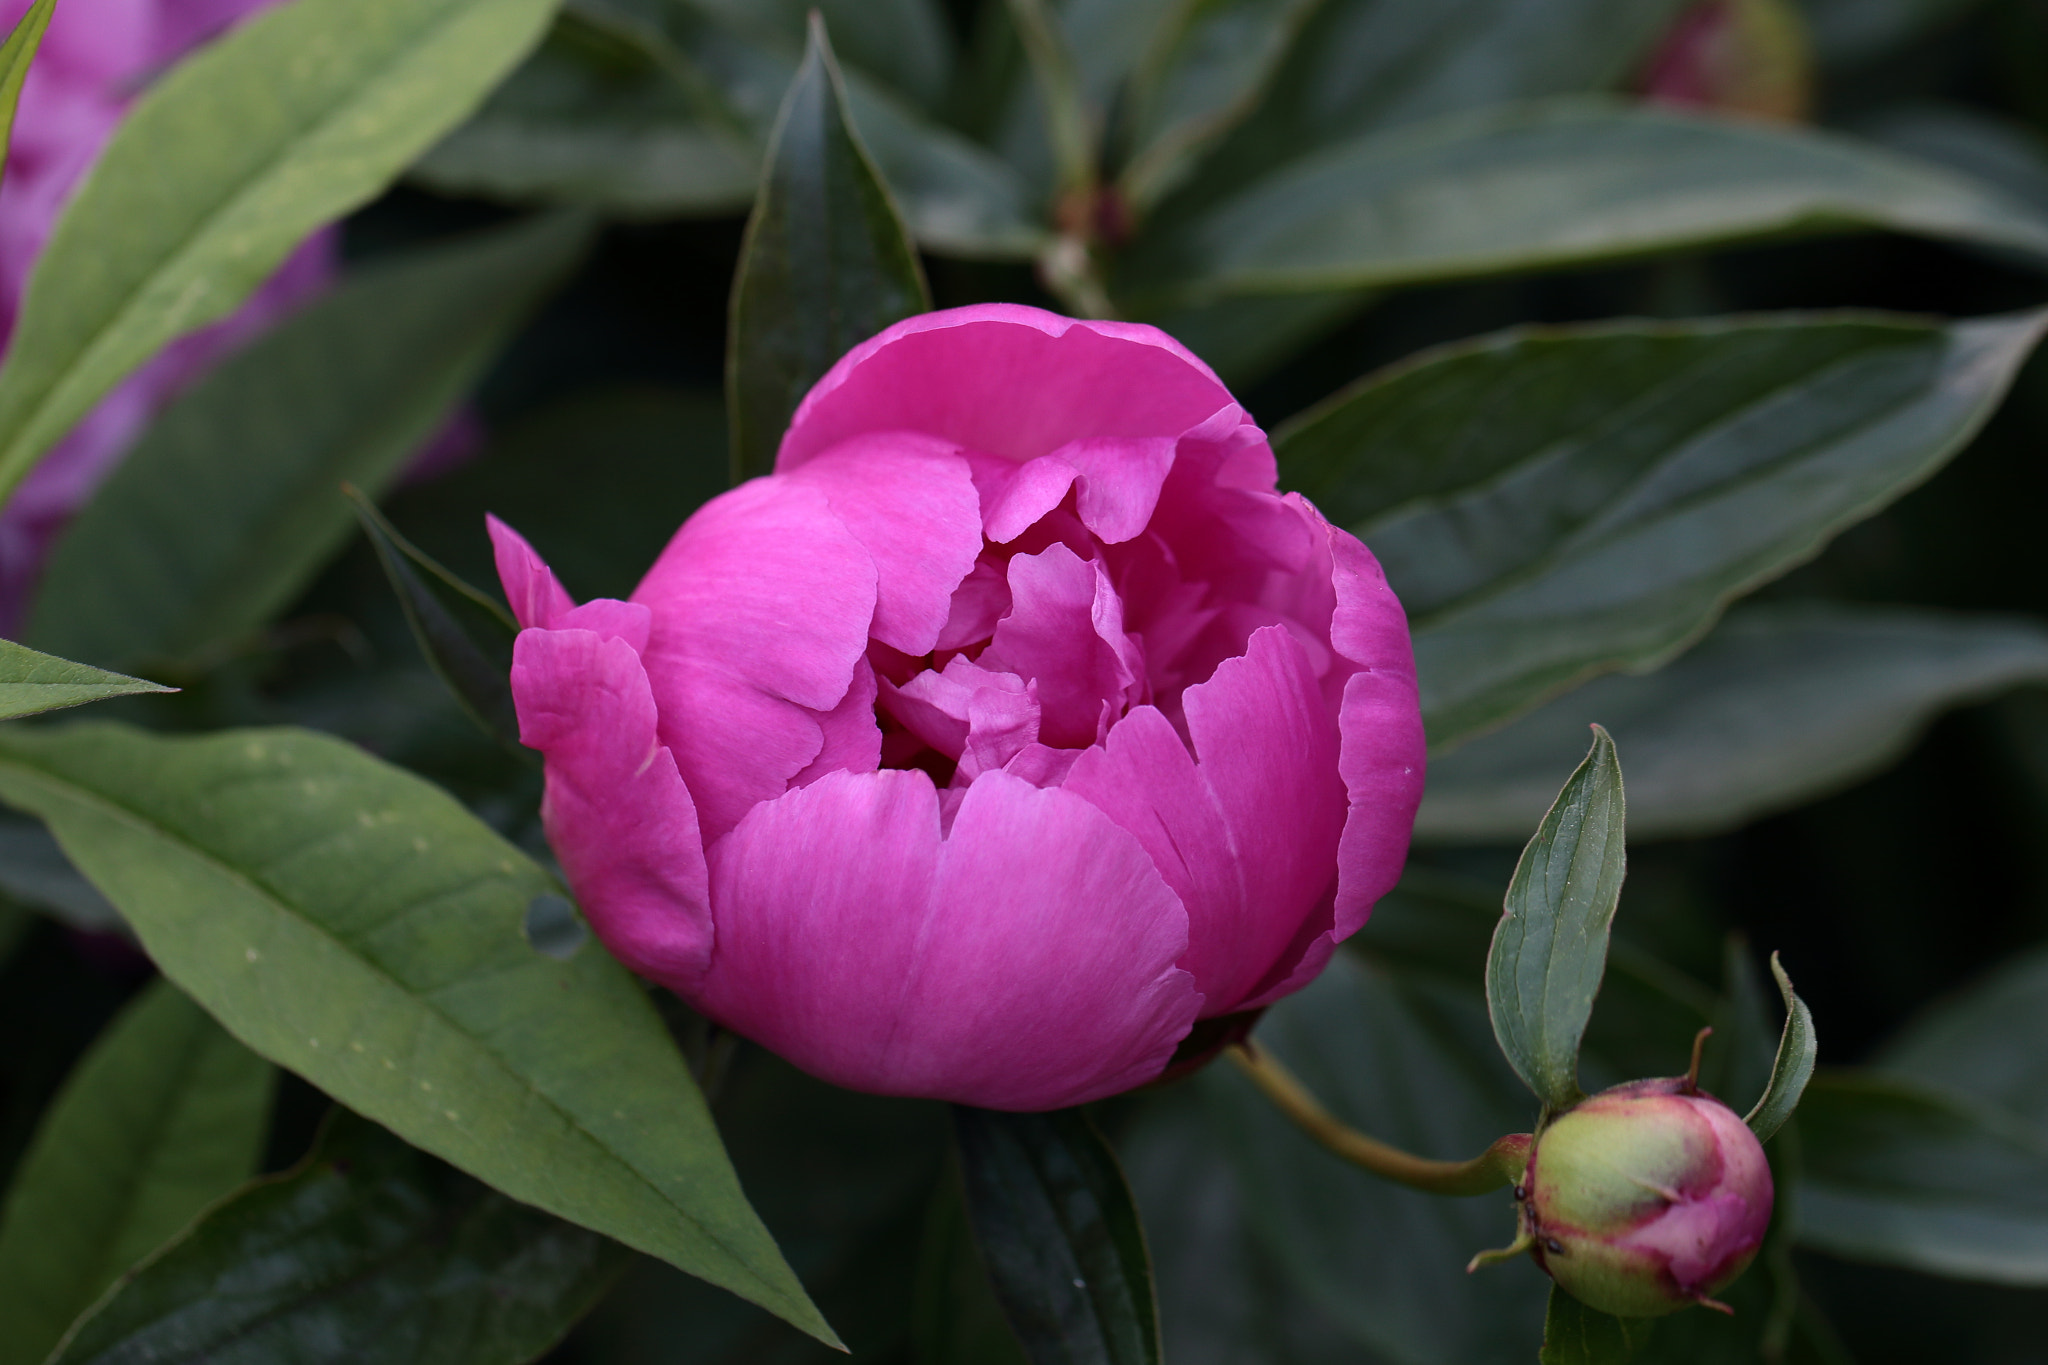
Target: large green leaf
column 1411, row 1062
column 1780, row 704
column 166, row 1114
column 232, row 501
column 31, row 683
column 1910, row 1176
column 1553, row 503
column 1060, row 1235
column 222, row 168
column 355, row 924
column 1542, row 186
column 826, row 263
column 369, row 1253
column 1550, row 948
column 1989, row 1041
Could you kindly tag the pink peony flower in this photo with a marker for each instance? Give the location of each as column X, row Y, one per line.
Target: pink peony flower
column 1012, row 725
column 1647, row 1197
column 95, row 58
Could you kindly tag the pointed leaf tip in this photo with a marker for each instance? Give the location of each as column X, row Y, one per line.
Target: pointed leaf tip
column 1797, row 1048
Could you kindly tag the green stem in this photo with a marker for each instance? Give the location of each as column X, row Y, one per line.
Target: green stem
column 1499, row 1165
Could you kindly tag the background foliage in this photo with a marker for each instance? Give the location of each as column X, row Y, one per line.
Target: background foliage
column 1584, row 372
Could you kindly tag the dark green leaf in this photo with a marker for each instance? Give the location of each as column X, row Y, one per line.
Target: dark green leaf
column 1539, row 187
column 369, row 1253
column 231, row 502
column 955, row 1319
column 1780, row 704
column 1550, row 948
column 1793, row 1067
column 465, row 636
column 1574, row 1334
column 826, row 263
column 31, row 683
column 1060, row 1236
column 1906, row 1175
column 166, row 1114
column 1407, row 1060
column 16, row 55
column 1554, row 503
column 1989, row 1042
column 222, row 169
column 355, row 924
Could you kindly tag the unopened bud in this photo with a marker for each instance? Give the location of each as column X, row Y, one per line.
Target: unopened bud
column 1735, row 56
column 1646, row 1198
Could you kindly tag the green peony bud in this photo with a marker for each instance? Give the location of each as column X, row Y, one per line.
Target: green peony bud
column 1646, row 1198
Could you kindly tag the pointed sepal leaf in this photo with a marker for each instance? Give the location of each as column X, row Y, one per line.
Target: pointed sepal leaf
column 1550, row 948
column 32, row 682
column 1060, row 1235
column 465, row 636
column 827, row 261
column 1794, row 1066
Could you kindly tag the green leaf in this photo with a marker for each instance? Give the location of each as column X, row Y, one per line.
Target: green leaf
column 222, row 169
column 163, row 1116
column 1793, row 1067
column 466, row 636
column 826, row 263
column 955, row 1319
column 230, row 504
column 1780, row 704
column 35, row 872
column 1060, row 1236
column 1988, row 1042
column 1543, row 186
column 1550, row 948
column 1406, row 1059
column 31, row 683
column 1574, row 1334
column 16, row 55
column 1906, row 1175
column 369, row 1253
column 355, row 924
column 1552, row 503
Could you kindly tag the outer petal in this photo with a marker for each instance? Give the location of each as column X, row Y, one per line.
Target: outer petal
column 761, row 610
column 1248, row 835
column 617, row 812
column 911, row 503
column 1023, row 961
column 1007, row 380
column 530, row 586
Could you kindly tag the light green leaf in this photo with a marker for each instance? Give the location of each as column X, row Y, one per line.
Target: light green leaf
column 231, row 502
column 369, row 1253
column 1409, row 1061
column 1988, row 1041
column 1543, row 186
column 164, row 1115
column 826, row 263
column 1060, row 1236
column 1552, row 503
column 1574, row 1334
column 31, row 683
column 1550, row 948
column 222, row 168
column 16, row 55
column 1793, row 1067
column 1909, row 1176
column 1780, row 704
column 353, row 923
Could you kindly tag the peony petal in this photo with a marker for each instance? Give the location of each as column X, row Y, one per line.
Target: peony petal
column 853, row 741
column 1007, row 380
column 617, row 812
column 1064, row 632
column 911, row 503
column 530, row 586
column 1025, row 961
column 1246, row 829
column 761, row 607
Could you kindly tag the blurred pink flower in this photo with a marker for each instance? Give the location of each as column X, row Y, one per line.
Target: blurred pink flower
column 1734, row 57
column 97, row 56
column 1012, row 725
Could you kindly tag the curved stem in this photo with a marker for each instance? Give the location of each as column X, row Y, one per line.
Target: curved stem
column 1501, row 1164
